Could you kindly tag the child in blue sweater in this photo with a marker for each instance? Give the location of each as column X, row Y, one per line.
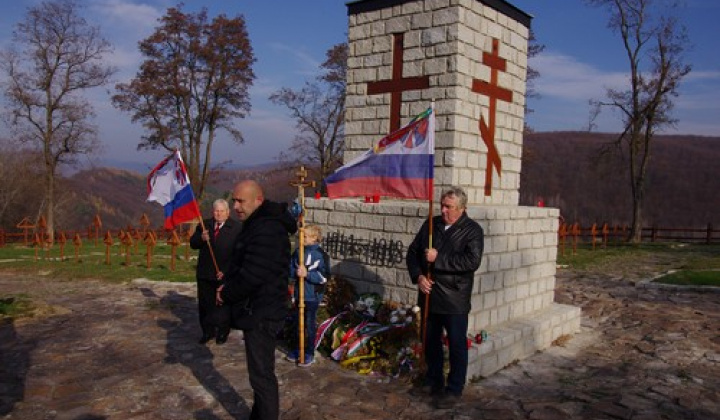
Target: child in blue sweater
column 316, row 272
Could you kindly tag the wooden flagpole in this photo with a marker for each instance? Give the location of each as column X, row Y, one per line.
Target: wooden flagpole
column 426, row 309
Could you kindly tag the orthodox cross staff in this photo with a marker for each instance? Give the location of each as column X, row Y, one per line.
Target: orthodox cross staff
column 301, row 184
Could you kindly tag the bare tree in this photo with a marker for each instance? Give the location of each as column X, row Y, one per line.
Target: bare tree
column 60, row 57
column 20, row 194
column 654, row 44
column 319, row 111
column 194, row 81
column 534, row 49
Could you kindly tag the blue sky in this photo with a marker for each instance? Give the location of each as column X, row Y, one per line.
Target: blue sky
column 290, row 38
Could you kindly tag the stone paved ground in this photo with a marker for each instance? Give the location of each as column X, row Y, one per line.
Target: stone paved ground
column 102, row 351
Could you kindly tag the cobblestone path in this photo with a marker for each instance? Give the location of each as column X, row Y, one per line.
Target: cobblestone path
column 106, row 351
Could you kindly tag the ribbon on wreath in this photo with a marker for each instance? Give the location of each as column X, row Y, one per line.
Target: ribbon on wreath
column 324, row 327
column 339, row 352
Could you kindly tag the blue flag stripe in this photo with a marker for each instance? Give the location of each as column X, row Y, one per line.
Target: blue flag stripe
column 388, row 166
column 183, row 197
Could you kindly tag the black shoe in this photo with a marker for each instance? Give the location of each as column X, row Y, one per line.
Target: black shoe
column 420, row 391
column 425, row 391
column 221, row 338
column 446, row 401
column 205, row 338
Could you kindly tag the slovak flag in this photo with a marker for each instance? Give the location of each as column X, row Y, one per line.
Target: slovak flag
column 400, row 165
column 169, row 185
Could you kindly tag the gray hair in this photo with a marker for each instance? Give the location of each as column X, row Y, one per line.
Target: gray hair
column 457, row 192
column 222, row 203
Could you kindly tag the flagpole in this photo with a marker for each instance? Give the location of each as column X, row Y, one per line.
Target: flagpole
column 210, row 248
column 426, row 309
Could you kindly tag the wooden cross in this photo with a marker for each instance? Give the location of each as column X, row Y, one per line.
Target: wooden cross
column 397, row 85
column 97, row 224
column 575, row 231
column 25, row 225
column 127, row 242
column 77, row 243
column 61, row 241
column 144, row 222
column 137, row 237
column 301, row 184
column 121, row 237
column 42, row 227
column 150, row 240
column 36, row 244
column 173, row 241
column 108, row 243
column 495, row 92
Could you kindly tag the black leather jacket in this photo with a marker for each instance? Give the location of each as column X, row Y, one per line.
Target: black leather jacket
column 459, row 251
column 259, row 269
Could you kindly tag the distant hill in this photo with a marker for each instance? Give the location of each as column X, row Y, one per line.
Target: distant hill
column 567, row 170
column 117, row 195
column 563, row 168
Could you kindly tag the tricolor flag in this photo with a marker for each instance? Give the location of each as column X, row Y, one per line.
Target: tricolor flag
column 400, row 165
column 169, row 185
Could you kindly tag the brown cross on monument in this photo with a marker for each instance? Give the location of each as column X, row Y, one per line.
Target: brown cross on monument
column 397, row 85
column 495, row 92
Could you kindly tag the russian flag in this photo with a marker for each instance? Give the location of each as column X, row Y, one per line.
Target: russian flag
column 401, row 165
column 169, row 185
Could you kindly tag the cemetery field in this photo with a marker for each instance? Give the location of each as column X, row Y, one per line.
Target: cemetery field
column 94, row 263
column 682, row 264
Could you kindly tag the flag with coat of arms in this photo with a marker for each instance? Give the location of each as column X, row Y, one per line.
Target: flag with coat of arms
column 400, row 165
column 169, row 185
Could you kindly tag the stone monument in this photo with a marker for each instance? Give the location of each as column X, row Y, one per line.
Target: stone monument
column 469, row 57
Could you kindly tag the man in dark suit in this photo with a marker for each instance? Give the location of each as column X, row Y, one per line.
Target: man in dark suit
column 220, row 234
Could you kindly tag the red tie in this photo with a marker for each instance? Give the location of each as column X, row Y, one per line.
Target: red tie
column 217, row 230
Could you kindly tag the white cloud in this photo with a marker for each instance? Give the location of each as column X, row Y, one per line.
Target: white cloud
column 566, row 85
column 141, row 17
column 305, row 63
column 127, row 62
column 263, row 87
column 703, row 75
column 564, row 77
column 266, row 134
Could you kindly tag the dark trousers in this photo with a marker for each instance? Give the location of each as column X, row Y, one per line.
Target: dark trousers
column 260, row 353
column 310, row 327
column 456, row 326
column 210, row 315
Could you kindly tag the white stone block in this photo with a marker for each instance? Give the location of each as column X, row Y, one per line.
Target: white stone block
column 341, row 219
column 398, row 24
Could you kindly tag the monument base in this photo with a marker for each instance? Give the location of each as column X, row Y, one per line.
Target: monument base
column 520, row 338
column 514, row 289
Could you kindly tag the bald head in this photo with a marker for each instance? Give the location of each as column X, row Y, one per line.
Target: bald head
column 247, row 197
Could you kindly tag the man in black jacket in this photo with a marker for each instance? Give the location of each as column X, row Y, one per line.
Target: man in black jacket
column 444, row 271
column 221, row 238
column 258, row 279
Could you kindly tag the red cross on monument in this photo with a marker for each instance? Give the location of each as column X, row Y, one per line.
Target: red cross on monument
column 495, row 92
column 397, row 85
